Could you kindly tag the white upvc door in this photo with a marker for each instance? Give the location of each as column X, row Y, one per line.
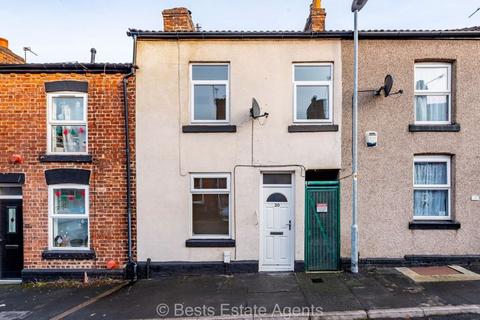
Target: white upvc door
column 277, row 230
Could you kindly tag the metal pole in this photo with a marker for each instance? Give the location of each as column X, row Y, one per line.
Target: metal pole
column 354, row 266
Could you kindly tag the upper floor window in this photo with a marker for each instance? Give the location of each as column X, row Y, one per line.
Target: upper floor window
column 433, row 95
column 313, row 92
column 209, row 93
column 432, row 188
column 67, row 123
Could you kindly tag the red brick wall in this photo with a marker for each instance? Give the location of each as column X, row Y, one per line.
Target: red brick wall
column 23, row 131
column 8, row 57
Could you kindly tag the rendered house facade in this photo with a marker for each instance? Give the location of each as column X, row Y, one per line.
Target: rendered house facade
column 215, row 184
column 63, row 186
column 418, row 188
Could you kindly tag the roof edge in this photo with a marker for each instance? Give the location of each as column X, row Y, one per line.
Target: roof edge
column 370, row 34
column 108, row 68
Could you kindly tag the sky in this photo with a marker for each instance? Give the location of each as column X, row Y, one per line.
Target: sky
column 65, row 30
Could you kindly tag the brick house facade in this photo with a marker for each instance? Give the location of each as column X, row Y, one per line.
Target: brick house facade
column 26, row 158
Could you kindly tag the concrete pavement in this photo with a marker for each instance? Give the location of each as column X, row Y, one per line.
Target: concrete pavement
column 374, row 293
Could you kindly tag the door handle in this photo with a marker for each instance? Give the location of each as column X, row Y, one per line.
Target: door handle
column 289, row 224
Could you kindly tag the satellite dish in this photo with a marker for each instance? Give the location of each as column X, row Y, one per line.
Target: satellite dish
column 255, row 111
column 387, row 86
column 357, row 5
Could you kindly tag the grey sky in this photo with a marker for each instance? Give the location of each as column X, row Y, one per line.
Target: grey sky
column 65, row 30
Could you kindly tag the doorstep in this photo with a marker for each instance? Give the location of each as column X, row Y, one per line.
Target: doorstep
column 10, row 281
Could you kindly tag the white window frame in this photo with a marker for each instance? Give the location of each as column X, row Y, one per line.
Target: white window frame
column 437, row 158
column 313, row 83
column 211, row 191
column 209, row 82
column 51, row 122
column 448, row 92
column 51, row 214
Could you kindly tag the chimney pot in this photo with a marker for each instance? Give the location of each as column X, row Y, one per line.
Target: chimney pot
column 178, row 20
column 93, row 52
column 4, row 43
column 316, row 20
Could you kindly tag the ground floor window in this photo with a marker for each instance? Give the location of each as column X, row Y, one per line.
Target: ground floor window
column 432, row 188
column 210, row 203
column 68, row 213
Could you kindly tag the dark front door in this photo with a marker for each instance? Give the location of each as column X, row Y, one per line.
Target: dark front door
column 322, row 226
column 11, row 238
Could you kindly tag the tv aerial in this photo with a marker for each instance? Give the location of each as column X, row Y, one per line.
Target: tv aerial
column 255, row 110
column 474, row 13
column 28, row 49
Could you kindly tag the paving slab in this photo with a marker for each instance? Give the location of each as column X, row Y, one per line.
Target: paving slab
column 243, row 295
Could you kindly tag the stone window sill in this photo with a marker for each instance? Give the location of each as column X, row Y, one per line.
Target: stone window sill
column 66, row 158
column 455, row 127
column 210, row 243
column 209, row 129
column 68, row 254
column 313, row 128
column 434, row 225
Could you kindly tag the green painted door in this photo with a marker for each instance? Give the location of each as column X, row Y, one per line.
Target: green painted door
column 322, row 226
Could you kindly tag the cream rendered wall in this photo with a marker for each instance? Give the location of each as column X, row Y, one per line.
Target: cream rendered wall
column 166, row 156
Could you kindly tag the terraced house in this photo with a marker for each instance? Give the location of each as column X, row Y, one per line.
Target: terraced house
column 419, row 187
column 64, row 201
column 221, row 179
column 232, row 185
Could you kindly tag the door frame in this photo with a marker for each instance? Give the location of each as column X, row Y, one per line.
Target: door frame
column 263, row 187
column 17, row 198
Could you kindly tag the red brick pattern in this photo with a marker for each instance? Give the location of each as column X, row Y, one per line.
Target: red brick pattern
column 8, row 57
column 23, row 126
column 177, row 20
column 316, row 20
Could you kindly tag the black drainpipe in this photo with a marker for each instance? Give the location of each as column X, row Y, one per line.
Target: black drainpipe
column 131, row 269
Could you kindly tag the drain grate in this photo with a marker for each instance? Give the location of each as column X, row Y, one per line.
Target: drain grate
column 317, row 280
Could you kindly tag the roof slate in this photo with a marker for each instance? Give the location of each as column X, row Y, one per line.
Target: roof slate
column 471, row 32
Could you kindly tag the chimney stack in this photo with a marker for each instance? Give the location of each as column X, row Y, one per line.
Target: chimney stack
column 3, row 43
column 316, row 20
column 178, row 20
column 7, row 56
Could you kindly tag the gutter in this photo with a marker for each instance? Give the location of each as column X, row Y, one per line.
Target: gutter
column 82, row 68
column 346, row 35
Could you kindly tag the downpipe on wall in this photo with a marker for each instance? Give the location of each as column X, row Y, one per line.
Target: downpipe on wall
column 131, row 267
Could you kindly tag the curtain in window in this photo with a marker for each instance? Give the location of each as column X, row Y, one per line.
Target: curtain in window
column 431, row 173
column 431, row 202
column 432, row 108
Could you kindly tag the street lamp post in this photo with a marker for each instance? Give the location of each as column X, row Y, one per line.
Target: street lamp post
column 357, row 5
